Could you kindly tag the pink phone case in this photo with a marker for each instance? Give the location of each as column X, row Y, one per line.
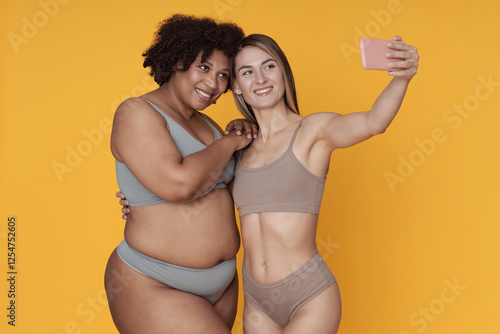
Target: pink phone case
column 373, row 53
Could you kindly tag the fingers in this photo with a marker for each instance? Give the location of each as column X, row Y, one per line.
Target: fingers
column 407, row 68
column 124, row 202
column 235, row 125
column 240, row 126
column 229, row 127
column 401, row 47
column 406, row 58
column 407, row 73
column 125, row 211
column 403, row 62
column 255, row 130
column 240, row 141
column 251, row 130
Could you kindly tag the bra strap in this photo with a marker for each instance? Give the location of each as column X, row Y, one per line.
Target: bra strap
column 295, row 135
column 171, row 121
column 158, row 109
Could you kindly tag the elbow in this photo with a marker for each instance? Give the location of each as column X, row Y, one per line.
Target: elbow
column 185, row 190
column 179, row 187
column 188, row 194
column 183, row 187
column 377, row 129
column 182, row 193
column 380, row 131
column 375, row 126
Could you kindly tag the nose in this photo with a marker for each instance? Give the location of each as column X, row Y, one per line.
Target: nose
column 212, row 82
column 260, row 77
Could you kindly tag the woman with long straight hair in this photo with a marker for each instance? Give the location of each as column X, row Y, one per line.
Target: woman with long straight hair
column 279, row 182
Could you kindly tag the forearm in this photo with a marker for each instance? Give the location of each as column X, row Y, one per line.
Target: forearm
column 387, row 105
column 201, row 170
column 350, row 129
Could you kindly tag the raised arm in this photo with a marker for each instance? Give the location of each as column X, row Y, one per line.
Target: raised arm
column 141, row 140
column 338, row 131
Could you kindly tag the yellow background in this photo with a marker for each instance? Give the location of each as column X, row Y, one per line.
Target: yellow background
column 405, row 215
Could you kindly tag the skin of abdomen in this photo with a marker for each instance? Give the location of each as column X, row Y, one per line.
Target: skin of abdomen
column 277, row 243
column 198, row 234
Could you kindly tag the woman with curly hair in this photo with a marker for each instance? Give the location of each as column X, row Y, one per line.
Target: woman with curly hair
column 175, row 270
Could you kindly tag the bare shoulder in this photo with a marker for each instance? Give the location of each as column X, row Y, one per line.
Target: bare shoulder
column 135, row 110
column 320, row 127
column 135, row 118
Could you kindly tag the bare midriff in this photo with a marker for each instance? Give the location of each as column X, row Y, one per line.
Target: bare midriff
column 198, row 234
column 277, row 243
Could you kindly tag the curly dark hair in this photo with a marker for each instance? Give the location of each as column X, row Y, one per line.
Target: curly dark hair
column 180, row 38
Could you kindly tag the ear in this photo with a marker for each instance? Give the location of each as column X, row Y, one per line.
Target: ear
column 237, row 89
column 178, row 67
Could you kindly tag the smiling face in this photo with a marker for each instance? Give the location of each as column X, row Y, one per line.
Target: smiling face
column 203, row 82
column 258, row 78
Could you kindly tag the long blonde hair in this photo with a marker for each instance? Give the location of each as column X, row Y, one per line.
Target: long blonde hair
column 268, row 45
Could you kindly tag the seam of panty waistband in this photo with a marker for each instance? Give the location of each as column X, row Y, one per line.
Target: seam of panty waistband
column 287, row 278
column 149, row 258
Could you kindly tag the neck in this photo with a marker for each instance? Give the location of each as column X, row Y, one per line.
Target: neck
column 169, row 101
column 273, row 120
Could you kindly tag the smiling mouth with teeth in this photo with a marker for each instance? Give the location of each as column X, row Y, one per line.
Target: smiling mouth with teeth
column 263, row 91
column 202, row 93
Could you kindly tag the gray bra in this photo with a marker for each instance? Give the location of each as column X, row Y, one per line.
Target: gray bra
column 138, row 195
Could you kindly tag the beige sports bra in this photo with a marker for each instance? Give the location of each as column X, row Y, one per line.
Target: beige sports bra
column 284, row 185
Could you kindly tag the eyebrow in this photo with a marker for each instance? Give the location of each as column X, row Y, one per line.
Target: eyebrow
column 210, row 64
column 249, row 66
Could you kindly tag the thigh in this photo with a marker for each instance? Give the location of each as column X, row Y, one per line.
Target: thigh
column 227, row 304
column 320, row 315
column 139, row 304
column 256, row 322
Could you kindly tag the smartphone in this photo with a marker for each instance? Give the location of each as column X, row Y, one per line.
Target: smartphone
column 373, row 53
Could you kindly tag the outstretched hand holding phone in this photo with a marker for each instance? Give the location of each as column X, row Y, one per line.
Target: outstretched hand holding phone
column 394, row 56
